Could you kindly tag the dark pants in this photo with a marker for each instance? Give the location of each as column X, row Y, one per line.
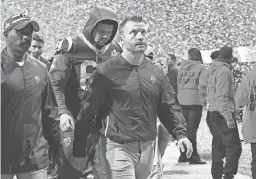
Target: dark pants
column 192, row 115
column 253, row 147
column 225, row 144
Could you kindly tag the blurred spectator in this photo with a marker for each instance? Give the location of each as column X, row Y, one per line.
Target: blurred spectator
column 172, row 72
column 36, row 49
column 149, row 52
column 246, row 96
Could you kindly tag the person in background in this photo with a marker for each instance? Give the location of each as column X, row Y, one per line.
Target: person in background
column 191, row 89
column 172, row 72
column 28, row 106
column 136, row 92
column 149, row 52
column 70, row 73
column 36, row 49
column 220, row 116
column 246, row 96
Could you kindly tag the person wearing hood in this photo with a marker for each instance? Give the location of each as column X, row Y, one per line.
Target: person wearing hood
column 246, row 96
column 220, row 117
column 191, row 89
column 71, row 71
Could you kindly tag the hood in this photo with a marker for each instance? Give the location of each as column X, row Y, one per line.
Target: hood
column 97, row 15
column 191, row 65
column 216, row 65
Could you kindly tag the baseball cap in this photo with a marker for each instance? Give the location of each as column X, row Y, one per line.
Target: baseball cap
column 18, row 22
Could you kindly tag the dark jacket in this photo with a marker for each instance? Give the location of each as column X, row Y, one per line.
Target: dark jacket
column 172, row 75
column 26, row 103
column 136, row 96
column 77, row 59
column 46, row 62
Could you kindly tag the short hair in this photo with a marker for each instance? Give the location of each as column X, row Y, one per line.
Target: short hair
column 215, row 54
column 172, row 56
column 37, row 37
column 195, row 54
column 133, row 18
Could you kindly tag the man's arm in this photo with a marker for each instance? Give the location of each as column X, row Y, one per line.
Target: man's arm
column 222, row 94
column 50, row 125
column 169, row 112
column 59, row 75
column 90, row 108
column 242, row 94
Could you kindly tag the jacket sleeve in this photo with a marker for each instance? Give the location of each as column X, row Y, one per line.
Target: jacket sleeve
column 203, row 80
column 50, row 125
column 59, row 75
column 90, row 108
column 169, row 112
column 222, row 94
column 242, row 93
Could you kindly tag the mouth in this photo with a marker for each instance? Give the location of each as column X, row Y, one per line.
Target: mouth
column 27, row 45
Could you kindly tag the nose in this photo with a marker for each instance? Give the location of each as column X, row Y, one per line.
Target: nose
column 140, row 36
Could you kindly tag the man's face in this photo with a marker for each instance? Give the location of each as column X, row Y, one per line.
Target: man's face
column 36, row 48
column 135, row 36
column 19, row 41
column 102, row 33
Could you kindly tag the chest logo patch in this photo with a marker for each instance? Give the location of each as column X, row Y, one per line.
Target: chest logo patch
column 67, row 141
column 153, row 79
column 37, row 78
column 114, row 53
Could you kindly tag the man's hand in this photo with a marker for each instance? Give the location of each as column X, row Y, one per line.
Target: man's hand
column 66, row 122
column 231, row 123
column 185, row 144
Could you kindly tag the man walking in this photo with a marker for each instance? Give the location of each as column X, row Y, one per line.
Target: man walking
column 27, row 106
column 70, row 73
column 246, row 96
column 136, row 92
column 220, row 117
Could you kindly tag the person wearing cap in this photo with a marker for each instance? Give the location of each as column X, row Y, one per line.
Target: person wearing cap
column 191, row 88
column 28, row 108
column 70, row 74
column 246, row 96
column 220, row 117
column 36, row 49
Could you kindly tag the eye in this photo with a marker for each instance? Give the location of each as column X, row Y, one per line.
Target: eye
column 133, row 32
column 143, row 32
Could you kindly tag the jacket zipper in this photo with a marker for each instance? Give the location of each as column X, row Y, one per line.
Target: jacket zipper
column 23, row 75
column 137, row 70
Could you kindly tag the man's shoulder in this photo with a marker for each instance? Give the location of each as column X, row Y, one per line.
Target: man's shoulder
column 109, row 65
column 36, row 63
